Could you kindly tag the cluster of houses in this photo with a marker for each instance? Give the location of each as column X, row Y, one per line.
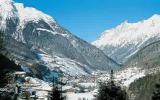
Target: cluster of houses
column 34, row 89
column 29, row 88
column 79, row 93
column 81, row 90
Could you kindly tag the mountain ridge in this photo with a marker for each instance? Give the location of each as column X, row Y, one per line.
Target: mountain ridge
column 34, row 33
column 127, row 38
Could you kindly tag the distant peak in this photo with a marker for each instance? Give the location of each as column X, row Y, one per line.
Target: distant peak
column 155, row 16
column 122, row 33
column 125, row 22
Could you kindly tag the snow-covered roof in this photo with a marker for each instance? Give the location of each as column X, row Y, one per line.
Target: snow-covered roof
column 77, row 96
column 20, row 73
column 66, row 88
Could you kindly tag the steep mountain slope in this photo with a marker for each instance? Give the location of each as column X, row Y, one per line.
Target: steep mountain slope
column 148, row 57
column 127, row 38
column 145, row 62
column 34, row 38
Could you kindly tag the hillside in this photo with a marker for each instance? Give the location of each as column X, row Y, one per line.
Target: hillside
column 143, row 63
column 35, row 38
column 143, row 88
column 148, row 57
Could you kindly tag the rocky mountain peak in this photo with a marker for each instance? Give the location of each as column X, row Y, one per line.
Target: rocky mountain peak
column 128, row 37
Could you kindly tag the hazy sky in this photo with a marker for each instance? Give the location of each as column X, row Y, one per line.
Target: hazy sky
column 89, row 18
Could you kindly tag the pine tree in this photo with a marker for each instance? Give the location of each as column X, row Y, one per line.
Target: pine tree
column 55, row 94
column 156, row 94
column 109, row 91
column 1, row 40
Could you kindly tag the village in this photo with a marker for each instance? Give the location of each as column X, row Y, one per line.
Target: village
column 28, row 88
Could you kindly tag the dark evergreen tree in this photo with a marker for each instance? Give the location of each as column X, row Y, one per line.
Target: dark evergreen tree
column 156, row 93
column 1, row 40
column 109, row 91
column 7, row 67
column 56, row 91
column 55, row 94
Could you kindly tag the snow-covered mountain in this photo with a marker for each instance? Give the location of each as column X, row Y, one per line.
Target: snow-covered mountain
column 137, row 47
column 126, row 39
column 38, row 43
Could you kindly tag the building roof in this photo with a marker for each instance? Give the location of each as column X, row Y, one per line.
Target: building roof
column 19, row 73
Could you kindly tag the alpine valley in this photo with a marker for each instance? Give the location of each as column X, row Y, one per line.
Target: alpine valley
column 42, row 48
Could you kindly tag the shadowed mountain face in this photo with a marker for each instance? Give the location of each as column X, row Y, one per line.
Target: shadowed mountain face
column 148, row 57
column 34, row 38
column 7, row 67
column 143, row 88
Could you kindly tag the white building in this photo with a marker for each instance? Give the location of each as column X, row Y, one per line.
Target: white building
column 80, row 96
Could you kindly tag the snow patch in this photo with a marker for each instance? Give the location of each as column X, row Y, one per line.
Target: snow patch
column 66, row 65
column 7, row 11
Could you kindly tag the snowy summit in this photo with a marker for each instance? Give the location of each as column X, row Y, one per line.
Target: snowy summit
column 126, row 38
